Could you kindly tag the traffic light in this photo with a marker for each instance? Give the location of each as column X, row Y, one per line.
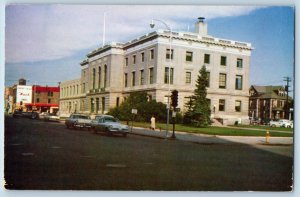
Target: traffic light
column 174, row 99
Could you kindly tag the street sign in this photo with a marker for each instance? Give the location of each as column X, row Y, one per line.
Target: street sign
column 173, row 114
column 134, row 111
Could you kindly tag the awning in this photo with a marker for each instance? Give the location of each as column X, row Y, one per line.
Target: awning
column 41, row 105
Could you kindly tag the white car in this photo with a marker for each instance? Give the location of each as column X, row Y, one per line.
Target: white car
column 281, row 123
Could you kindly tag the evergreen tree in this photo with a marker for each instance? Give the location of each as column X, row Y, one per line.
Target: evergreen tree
column 201, row 108
column 198, row 107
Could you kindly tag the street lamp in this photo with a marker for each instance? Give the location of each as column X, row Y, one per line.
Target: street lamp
column 152, row 24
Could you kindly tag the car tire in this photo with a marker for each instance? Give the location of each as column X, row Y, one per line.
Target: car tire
column 124, row 134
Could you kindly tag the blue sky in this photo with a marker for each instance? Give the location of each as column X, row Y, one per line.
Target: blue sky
column 46, row 43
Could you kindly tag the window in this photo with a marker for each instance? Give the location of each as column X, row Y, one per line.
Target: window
column 97, row 105
column 239, row 82
column 188, row 77
column 167, row 75
column 38, row 100
column 221, row 105
column 238, row 105
column 118, row 101
column 206, row 58
column 99, row 77
column 189, row 56
column 105, row 75
column 168, row 54
column 126, row 80
column 103, row 104
column 49, row 100
column 223, row 60
column 126, row 61
column 50, row 93
column 143, row 57
column 222, row 80
column 94, row 77
column 151, row 76
column 151, row 54
column 239, row 63
column 142, row 77
column 134, row 59
column 208, row 79
column 133, row 79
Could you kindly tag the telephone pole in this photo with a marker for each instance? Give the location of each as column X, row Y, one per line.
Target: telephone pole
column 288, row 80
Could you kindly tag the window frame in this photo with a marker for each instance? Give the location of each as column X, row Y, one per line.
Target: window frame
column 221, row 82
column 223, row 60
column 205, row 55
column 187, row 57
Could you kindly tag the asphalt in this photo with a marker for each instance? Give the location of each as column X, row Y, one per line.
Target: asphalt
column 211, row 139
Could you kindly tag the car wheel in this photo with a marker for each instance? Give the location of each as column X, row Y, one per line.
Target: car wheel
column 108, row 132
column 124, row 134
column 273, row 125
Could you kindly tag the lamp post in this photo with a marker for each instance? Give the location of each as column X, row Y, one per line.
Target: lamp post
column 152, row 24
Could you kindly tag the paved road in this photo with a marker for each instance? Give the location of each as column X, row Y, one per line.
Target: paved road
column 46, row 155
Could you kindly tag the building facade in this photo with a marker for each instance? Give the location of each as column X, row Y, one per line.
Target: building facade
column 111, row 73
column 44, row 98
column 32, row 98
column 268, row 102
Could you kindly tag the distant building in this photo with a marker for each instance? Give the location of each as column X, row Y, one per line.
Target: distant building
column 72, row 97
column 267, row 102
column 111, row 73
column 44, row 98
column 31, row 98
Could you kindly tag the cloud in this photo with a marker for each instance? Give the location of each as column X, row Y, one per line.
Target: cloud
column 49, row 32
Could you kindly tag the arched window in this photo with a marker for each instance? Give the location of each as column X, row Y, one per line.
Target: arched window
column 105, row 75
column 94, row 77
column 99, row 77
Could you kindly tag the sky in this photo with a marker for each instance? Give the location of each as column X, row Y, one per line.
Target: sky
column 45, row 43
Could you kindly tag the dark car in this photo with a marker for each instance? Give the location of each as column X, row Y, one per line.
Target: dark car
column 19, row 113
column 109, row 125
column 78, row 121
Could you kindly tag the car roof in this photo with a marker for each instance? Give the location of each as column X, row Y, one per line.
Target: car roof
column 103, row 116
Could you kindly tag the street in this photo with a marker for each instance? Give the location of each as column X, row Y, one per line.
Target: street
column 46, row 155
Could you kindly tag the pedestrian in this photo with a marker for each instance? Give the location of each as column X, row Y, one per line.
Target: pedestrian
column 152, row 126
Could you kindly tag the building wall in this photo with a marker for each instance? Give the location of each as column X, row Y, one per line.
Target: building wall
column 119, row 60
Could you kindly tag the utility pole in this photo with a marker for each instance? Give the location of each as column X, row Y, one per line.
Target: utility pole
column 288, row 80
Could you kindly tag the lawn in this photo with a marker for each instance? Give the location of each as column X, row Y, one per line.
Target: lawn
column 264, row 127
column 238, row 131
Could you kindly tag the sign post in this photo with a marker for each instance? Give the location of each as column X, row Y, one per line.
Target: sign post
column 133, row 112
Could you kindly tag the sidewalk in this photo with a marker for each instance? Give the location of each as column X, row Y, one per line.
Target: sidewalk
column 212, row 139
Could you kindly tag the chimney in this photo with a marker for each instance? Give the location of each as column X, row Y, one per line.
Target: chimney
column 201, row 27
column 22, row 81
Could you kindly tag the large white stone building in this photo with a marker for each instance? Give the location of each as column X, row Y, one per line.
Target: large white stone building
column 110, row 73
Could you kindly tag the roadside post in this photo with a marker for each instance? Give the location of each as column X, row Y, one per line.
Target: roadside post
column 174, row 103
column 133, row 112
column 267, row 137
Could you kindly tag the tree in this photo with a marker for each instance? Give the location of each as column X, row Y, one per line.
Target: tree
column 145, row 108
column 198, row 112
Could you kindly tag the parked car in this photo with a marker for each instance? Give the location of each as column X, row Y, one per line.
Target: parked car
column 19, row 113
column 109, row 125
column 51, row 117
column 280, row 123
column 78, row 121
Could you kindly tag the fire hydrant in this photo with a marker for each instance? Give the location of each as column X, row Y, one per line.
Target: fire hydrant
column 267, row 137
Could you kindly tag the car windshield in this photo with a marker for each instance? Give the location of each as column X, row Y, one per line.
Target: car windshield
column 109, row 119
column 81, row 117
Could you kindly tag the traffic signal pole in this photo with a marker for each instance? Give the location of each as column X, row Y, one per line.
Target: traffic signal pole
column 174, row 99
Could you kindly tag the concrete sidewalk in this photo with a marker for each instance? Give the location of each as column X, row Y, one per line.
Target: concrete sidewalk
column 212, row 139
